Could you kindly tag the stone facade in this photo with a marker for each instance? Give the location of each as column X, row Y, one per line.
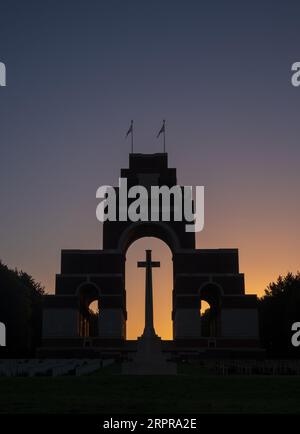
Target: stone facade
column 198, row 274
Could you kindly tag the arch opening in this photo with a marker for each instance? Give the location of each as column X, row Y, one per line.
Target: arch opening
column 157, row 230
column 162, row 288
column 89, row 310
column 210, row 310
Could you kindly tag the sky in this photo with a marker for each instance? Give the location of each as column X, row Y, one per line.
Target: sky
column 218, row 72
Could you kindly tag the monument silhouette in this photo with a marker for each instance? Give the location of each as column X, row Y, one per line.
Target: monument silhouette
column 210, row 275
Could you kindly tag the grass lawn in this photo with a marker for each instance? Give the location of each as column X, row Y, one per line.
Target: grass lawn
column 192, row 392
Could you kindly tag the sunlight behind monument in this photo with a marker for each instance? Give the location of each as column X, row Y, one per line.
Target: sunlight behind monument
column 162, row 288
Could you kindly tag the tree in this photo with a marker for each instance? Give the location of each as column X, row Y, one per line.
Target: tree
column 279, row 308
column 35, row 293
column 20, row 311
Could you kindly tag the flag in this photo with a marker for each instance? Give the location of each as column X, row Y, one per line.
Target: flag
column 130, row 129
column 162, row 130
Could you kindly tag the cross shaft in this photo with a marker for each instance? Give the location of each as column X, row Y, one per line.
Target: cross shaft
column 148, row 264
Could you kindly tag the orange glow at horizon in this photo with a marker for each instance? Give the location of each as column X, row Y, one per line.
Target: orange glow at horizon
column 260, row 266
column 262, row 257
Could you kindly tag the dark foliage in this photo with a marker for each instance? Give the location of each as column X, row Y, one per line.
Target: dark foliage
column 279, row 308
column 20, row 311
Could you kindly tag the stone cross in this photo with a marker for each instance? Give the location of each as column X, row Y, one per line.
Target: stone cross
column 148, row 264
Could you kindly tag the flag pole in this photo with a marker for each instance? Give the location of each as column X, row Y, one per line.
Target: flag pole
column 164, row 136
column 132, row 137
column 130, row 131
column 163, row 130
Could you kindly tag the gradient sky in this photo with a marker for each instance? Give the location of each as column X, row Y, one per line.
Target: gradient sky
column 218, row 72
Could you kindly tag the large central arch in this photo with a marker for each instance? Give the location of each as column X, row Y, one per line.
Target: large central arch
column 162, row 288
column 138, row 230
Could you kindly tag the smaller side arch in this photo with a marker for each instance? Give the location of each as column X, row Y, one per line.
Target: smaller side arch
column 212, row 283
column 87, row 292
column 211, row 293
column 90, row 288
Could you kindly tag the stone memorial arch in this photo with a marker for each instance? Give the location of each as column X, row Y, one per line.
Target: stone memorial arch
column 211, row 275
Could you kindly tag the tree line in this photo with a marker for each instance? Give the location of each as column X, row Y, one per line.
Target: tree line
column 279, row 309
column 20, row 312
